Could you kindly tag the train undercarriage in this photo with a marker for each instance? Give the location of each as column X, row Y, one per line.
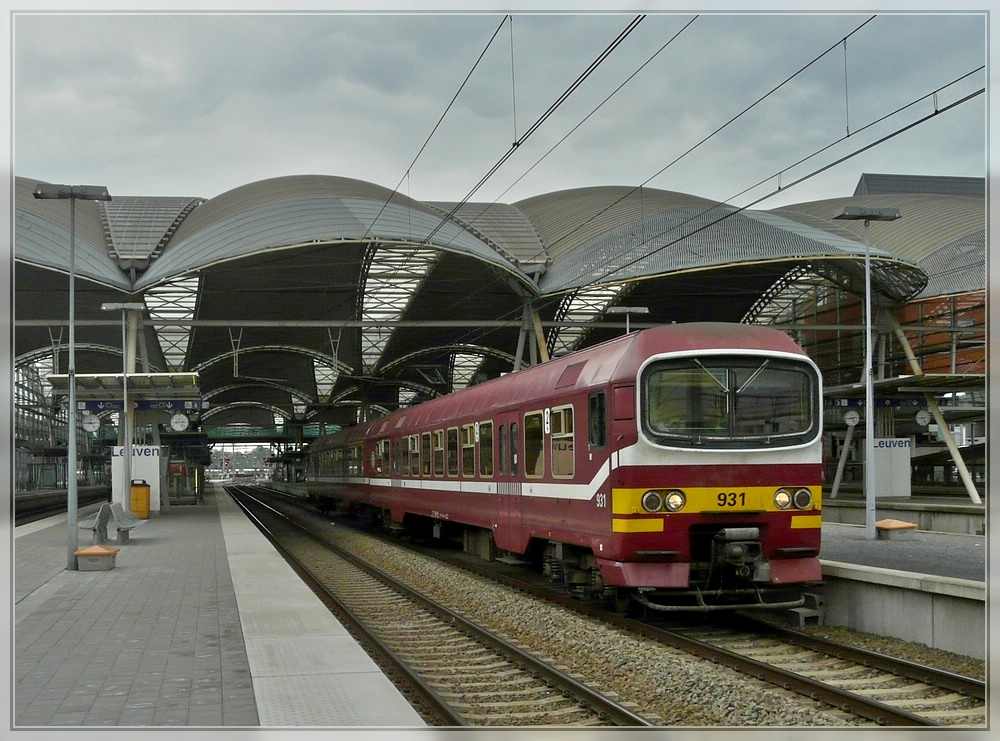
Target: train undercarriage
column 736, row 576
column 730, row 572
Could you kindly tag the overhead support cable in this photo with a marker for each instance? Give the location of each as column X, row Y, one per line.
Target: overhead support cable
column 705, row 139
column 458, row 92
column 737, row 210
column 513, row 85
column 539, row 121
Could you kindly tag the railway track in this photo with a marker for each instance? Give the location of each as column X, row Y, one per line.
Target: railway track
column 858, row 683
column 889, row 691
column 880, row 688
column 469, row 675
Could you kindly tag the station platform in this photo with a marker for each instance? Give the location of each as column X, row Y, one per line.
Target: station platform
column 198, row 624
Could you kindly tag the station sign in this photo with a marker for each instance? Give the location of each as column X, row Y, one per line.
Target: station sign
column 165, row 405
column 902, row 402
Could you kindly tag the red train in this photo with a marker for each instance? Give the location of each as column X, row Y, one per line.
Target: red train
column 678, row 467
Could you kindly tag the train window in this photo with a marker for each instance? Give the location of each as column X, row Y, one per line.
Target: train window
column 503, row 450
column 380, row 456
column 730, row 402
column 414, row 455
column 394, row 453
column 513, row 449
column 468, row 451
column 563, row 458
column 597, row 420
column 486, row 449
column 452, row 445
column 534, row 458
column 354, row 457
column 425, row 454
column 438, row 437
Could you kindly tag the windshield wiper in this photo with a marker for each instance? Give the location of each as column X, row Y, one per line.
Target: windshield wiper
column 753, row 375
column 709, row 373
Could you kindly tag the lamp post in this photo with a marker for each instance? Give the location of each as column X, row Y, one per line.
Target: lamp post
column 72, row 193
column 126, row 419
column 627, row 311
column 868, row 215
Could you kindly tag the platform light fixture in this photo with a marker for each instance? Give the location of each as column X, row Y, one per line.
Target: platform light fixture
column 628, row 311
column 868, row 215
column 125, row 421
column 72, row 193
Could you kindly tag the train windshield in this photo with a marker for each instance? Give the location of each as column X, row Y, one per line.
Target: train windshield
column 730, row 402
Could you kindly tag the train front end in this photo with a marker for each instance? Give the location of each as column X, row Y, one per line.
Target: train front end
column 718, row 505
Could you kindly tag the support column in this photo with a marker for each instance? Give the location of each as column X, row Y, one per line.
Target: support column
column 935, row 410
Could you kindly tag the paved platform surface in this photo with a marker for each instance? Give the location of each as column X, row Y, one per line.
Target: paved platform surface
column 200, row 624
column 921, row 552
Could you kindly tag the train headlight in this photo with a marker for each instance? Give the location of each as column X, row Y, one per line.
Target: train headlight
column 675, row 500
column 782, row 499
column 803, row 498
column 652, row 501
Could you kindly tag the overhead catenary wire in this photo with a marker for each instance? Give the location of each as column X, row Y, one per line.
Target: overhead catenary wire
column 824, row 168
column 436, row 126
column 736, row 210
column 559, row 101
column 694, row 147
column 538, row 122
column 699, row 144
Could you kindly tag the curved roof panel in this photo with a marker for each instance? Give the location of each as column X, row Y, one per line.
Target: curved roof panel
column 504, row 227
column 42, row 236
column 567, row 219
column 957, row 267
column 719, row 236
column 305, row 210
column 926, row 221
column 945, row 234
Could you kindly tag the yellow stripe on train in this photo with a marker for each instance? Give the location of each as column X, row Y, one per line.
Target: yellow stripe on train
column 714, row 499
column 647, row 525
column 800, row 522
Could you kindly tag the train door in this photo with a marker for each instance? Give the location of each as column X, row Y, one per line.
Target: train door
column 509, row 502
column 395, row 466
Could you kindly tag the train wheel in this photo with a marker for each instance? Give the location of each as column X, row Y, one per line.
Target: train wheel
column 624, row 604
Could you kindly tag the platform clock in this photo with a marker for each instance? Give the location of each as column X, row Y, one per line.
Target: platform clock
column 179, row 422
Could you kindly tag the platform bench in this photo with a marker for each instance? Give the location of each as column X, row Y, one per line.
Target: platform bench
column 124, row 521
column 97, row 523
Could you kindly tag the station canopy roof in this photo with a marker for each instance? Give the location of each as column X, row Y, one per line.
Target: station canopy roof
column 307, row 297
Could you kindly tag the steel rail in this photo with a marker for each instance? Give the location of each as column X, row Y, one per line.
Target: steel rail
column 967, row 686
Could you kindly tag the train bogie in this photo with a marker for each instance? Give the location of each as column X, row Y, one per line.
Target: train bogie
column 678, row 466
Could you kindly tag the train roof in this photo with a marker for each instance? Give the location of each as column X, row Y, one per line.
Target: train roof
column 618, row 358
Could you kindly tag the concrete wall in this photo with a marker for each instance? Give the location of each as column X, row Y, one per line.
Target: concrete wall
column 937, row 611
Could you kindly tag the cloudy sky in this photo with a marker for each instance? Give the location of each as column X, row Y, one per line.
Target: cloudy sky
column 730, row 106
